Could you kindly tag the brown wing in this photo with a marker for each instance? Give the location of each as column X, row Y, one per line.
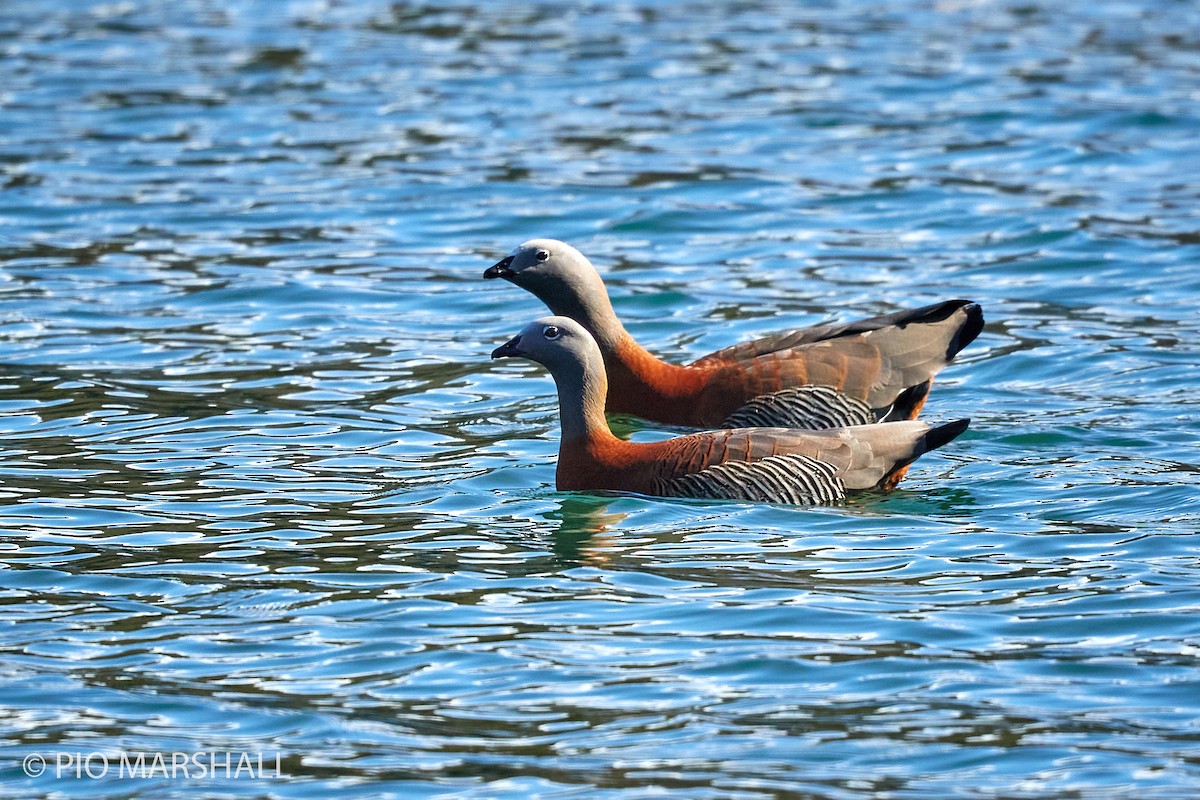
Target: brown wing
column 888, row 368
column 925, row 315
column 777, row 464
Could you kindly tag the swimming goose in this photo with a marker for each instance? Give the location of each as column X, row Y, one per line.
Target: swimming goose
column 778, row 465
column 872, row 370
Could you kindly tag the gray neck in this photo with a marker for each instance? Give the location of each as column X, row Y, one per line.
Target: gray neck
column 582, row 388
column 587, row 303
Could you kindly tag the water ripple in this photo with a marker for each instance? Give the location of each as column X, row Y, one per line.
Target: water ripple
column 262, row 490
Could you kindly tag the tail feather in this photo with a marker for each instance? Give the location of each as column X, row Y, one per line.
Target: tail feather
column 943, row 434
column 932, row 440
column 967, row 332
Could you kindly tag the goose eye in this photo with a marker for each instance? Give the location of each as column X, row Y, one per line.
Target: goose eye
column 551, row 332
column 542, row 255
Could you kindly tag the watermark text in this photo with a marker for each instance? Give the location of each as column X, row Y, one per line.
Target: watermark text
column 141, row 765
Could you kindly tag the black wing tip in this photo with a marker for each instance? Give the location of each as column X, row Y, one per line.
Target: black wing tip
column 943, row 434
column 970, row 328
column 940, row 312
column 934, row 312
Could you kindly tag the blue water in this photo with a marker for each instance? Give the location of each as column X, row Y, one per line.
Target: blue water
column 263, row 491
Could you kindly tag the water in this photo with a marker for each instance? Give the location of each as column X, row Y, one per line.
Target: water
column 264, row 492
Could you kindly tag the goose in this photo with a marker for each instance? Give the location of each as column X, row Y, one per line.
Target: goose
column 873, row 370
column 776, row 465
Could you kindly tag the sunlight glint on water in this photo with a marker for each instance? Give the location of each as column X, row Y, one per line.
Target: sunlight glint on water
column 263, row 491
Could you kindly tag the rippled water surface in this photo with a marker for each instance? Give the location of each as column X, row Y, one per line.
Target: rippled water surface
column 262, row 490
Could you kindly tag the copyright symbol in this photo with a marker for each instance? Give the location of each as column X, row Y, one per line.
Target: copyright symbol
column 34, row 765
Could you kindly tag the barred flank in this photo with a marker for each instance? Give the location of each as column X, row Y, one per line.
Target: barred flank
column 789, row 478
column 808, row 408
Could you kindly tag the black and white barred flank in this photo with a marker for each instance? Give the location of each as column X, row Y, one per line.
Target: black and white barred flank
column 808, row 408
column 787, row 478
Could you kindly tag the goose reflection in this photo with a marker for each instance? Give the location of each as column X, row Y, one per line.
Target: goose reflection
column 586, row 529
